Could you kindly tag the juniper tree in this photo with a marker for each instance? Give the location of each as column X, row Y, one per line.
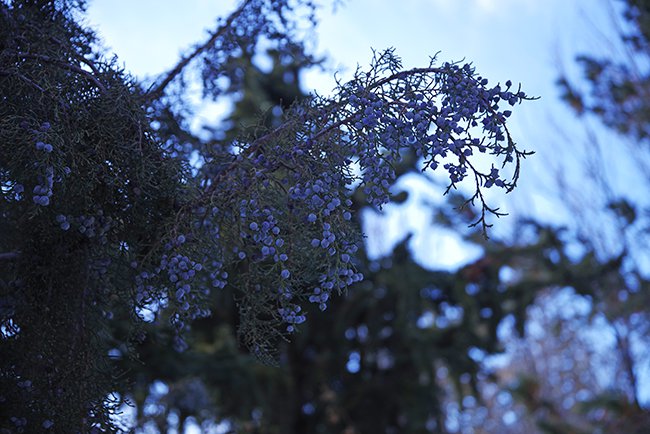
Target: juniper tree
column 105, row 219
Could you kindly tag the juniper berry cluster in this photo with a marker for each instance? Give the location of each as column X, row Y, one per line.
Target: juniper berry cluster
column 282, row 207
column 293, row 230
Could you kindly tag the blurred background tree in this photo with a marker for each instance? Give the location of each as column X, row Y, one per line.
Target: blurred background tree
column 580, row 364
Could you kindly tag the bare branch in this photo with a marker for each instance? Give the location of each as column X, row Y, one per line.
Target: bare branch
column 157, row 91
column 621, row 332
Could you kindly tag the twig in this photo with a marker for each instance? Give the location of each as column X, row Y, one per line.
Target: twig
column 25, row 79
column 81, row 58
column 9, row 255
